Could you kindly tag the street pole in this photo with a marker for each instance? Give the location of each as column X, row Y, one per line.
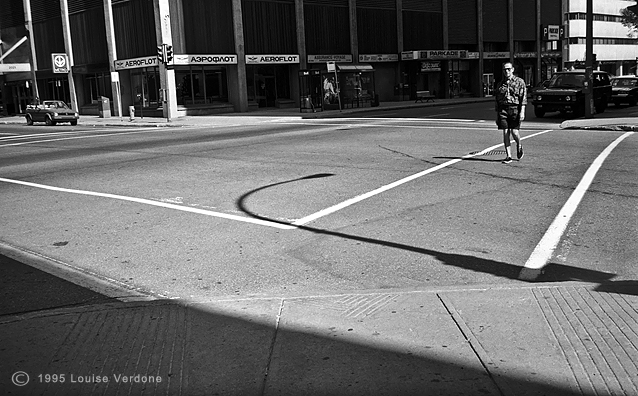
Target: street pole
column 589, row 61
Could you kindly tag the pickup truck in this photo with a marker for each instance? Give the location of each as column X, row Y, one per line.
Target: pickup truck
column 51, row 112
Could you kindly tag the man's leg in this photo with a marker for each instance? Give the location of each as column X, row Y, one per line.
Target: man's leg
column 506, row 143
column 519, row 146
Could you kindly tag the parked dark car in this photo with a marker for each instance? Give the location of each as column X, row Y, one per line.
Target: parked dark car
column 51, row 112
column 624, row 89
column 565, row 93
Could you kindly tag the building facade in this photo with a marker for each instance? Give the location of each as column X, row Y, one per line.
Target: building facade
column 237, row 55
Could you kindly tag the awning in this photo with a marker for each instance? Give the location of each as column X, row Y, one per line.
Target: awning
column 355, row 68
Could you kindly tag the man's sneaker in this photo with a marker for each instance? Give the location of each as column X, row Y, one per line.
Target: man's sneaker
column 519, row 152
column 507, row 160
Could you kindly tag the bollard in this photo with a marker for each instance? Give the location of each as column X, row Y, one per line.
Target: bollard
column 131, row 113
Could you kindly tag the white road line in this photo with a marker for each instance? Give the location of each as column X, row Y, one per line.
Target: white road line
column 155, row 203
column 121, row 132
column 545, row 248
column 397, row 183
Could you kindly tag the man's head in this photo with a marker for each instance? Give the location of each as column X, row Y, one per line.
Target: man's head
column 508, row 69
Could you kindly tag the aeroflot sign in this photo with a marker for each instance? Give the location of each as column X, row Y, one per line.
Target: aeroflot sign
column 136, row 63
column 178, row 59
column 270, row 59
column 185, row 59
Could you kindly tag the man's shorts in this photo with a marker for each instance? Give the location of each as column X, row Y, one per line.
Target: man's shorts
column 507, row 117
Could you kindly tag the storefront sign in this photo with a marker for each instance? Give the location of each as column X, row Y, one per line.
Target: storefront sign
column 551, row 54
column 409, row 55
column 525, row 55
column 496, row 55
column 430, row 66
column 14, row 67
column 136, row 63
column 446, row 54
column 329, row 58
column 186, row 59
column 434, row 54
column 271, row 59
column 379, row 58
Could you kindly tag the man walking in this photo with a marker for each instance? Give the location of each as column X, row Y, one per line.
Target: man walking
column 511, row 98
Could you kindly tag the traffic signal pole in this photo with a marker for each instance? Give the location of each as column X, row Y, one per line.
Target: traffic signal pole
column 168, row 92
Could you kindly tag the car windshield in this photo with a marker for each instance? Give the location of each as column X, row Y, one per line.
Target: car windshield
column 567, row 81
column 624, row 82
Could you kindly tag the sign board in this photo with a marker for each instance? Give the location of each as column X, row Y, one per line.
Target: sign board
column 136, row 63
column 553, row 32
column 14, row 67
column 331, row 66
column 271, row 59
column 213, row 59
column 434, row 54
column 379, row 58
column 330, row 58
column 430, row 66
column 60, row 63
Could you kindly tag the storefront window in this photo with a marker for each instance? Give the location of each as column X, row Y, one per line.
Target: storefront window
column 267, row 83
column 97, row 85
column 197, row 85
column 145, row 87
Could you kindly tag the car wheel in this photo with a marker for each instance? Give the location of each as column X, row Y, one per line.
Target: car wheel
column 539, row 113
column 632, row 101
column 49, row 120
column 74, row 122
column 29, row 119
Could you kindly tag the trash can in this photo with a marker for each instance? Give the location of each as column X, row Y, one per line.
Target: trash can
column 104, row 107
column 131, row 113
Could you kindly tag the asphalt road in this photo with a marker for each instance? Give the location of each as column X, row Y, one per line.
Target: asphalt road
column 403, row 200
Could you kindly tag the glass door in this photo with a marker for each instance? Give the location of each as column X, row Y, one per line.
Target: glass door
column 488, row 84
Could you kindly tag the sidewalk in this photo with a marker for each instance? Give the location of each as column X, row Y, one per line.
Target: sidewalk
column 529, row 339
column 269, row 113
column 597, row 123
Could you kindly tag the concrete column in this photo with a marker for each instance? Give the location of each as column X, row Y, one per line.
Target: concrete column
column 68, row 48
column 399, row 15
column 167, row 74
column 354, row 38
column 301, row 34
column 112, row 51
column 28, row 22
column 241, row 100
column 481, row 45
column 510, row 28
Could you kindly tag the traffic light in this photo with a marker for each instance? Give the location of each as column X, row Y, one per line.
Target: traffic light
column 161, row 53
column 169, row 53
